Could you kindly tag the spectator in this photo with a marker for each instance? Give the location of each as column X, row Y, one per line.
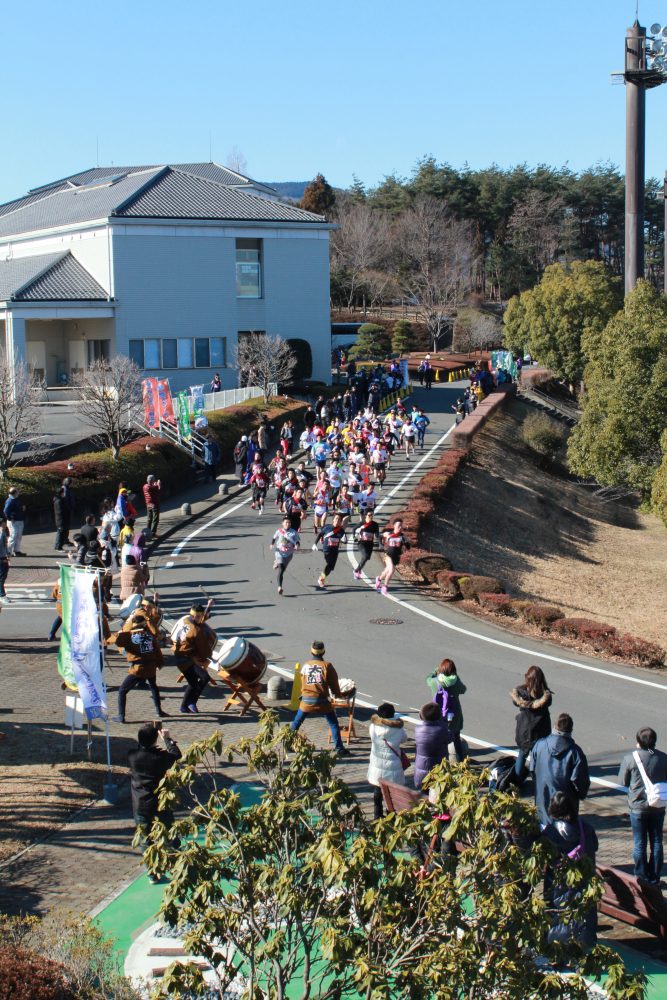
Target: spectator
column 56, row 595
column 89, row 530
column 431, row 741
column 148, row 765
column 240, row 458
column 15, row 516
column 647, row 821
column 61, row 513
column 286, row 437
column 387, row 733
column 124, row 506
column 216, row 384
column 429, row 375
column 574, row 839
column 447, row 689
column 4, row 555
column 211, row 458
column 133, row 578
column 151, row 491
column 533, row 722
column 69, row 496
column 558, row 765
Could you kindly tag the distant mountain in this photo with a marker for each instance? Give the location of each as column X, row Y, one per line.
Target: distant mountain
column 289, row 189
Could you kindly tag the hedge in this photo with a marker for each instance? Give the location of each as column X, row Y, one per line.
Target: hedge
column 230, row 424
column 472, row 586
column 25, row 975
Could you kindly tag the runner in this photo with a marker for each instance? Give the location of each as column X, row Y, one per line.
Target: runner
column 344, row 504
column 421, row 422
column 394, row 542
column 332, row 537
column 320, row 501
column 409, row 433
column 379, row 458
column 368, row 499
column 366, row 535
column 295, row 508
column 259, row 480
column 284, row 542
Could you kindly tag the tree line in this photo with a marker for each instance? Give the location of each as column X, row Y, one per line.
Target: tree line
column 449, row 233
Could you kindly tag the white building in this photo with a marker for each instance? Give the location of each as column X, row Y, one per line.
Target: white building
column 166, row 264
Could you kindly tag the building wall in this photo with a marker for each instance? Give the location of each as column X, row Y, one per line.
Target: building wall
column 91, row 247
column 181, row 282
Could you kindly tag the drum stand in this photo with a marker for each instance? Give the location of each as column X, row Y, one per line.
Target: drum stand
column 348, row 732
column 242, row 694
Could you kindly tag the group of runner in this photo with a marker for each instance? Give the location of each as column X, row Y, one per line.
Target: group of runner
column 349, row 465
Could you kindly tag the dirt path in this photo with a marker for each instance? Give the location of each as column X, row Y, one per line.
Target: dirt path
column 550, row 540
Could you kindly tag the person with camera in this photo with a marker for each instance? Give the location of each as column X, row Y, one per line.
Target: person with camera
column 149, row 762
column 151, row 491
column 144, row 657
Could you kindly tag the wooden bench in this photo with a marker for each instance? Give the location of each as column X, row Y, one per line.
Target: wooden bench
column 633, row 901
column 398, row 798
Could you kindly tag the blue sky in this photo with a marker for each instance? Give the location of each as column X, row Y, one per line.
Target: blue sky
column 365, row 87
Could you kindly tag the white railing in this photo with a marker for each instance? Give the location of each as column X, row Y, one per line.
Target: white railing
column 229, row 397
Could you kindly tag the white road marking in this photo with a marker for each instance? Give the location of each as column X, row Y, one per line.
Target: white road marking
column 476, row 635
column 193, row 534
column 506, row 751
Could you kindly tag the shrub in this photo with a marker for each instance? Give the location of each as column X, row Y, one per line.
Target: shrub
column 25, row 975
column 543, row 435
column 372, row 342
column 448, row 585
column 540, row 614
column 429, row 565
column 500, row 604
column 630, row 647
column 472, row 586
column 401, row 336
column 596, row 634
column 659, row 488
column 408, row 560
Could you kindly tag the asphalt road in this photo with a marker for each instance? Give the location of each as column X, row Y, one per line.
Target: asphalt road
column 228, row 555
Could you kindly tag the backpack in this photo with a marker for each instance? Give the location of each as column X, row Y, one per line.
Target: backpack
column 502, row 774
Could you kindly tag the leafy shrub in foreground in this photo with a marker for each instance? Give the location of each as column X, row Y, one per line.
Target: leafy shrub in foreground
column 540, row 614
column 500, row 604
column 25, row 975
column 472, row 586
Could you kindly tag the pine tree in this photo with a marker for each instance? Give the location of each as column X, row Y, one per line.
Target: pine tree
column 319, row 197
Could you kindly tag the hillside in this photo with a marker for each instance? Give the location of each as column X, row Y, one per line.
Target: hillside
column 548, row 538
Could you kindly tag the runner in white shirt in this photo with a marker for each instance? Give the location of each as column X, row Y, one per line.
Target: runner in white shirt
column 409, row 432
column 379, row 459
column 284, row 542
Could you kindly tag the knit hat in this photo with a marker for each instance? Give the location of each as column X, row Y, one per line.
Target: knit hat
column 317, row 649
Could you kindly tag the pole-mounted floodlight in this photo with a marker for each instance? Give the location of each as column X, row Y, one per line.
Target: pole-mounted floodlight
column 645, row 67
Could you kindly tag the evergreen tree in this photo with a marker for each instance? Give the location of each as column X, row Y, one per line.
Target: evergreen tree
column 401, row 336
column 319, row 197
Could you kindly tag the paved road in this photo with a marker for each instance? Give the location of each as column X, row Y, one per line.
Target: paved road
column 228, row 554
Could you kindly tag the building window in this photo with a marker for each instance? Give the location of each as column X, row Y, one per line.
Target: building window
column 137, row 352
column 152, row 354
column 249, row 269
column 185, row 352
column 181, row 352
column 218, row 352
column 169, row 354
column 202, row 353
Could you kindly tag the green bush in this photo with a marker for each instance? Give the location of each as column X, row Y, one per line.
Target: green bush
column 401, row 336
column 544, row 436
column 659, row 487
column 372, row 342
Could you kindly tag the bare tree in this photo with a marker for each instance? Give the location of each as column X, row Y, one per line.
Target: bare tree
column 236, row 160
column 20, row 415
column 475, row 330
column 263, row 360
column 110, row 398
column 434, row 261
column 359, row 245
column 535, row 229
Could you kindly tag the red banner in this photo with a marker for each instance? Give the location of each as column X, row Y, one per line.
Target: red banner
column 164, row 404
column 150, row 401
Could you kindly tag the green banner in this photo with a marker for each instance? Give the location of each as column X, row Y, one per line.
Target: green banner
column 183, row 416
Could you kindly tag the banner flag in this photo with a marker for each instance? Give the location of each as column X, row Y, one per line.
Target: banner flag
column 165, row 405
column 80, row 654
column 183, row 415
column 149, row 398
column 197, row 393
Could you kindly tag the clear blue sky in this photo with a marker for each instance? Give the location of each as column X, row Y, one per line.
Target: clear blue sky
column 365, row 87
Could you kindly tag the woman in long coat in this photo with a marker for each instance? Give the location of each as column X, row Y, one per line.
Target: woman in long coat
column 387, row 733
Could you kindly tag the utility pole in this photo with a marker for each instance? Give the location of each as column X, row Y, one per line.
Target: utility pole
column 645, row 67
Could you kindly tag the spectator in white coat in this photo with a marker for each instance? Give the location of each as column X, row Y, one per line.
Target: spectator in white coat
column 387, row 733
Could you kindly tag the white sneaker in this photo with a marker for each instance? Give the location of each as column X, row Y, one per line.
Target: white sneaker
column 280, row 590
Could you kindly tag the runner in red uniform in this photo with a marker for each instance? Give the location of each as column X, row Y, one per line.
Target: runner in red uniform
column 394, row 542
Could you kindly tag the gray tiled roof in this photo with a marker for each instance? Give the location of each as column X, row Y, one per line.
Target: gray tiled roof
column 180, row 195
column 46, row 278
column 162, row 192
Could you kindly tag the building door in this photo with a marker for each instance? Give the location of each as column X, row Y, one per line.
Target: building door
column 36, row 355
column 98, row 350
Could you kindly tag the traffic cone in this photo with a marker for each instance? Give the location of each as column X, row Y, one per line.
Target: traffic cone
column 296, row 688
column 449, row 377
column 437, row 374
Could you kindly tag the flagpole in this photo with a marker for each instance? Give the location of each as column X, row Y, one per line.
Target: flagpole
column 110, row 788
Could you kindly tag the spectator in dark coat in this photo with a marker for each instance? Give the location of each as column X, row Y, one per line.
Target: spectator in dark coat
column 533, row 722
column 558, row 765
column 148, row 765
column 647, row 821
column 211, row 458
column 240, row 457
column 61, row 512
column 89, row 530
column 431, row 741
column 575, row 839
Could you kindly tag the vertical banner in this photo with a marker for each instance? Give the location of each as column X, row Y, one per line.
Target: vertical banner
column 149, row 399
column 80, row 654
column 183, row 415
column 164, row 403
column 197, row 393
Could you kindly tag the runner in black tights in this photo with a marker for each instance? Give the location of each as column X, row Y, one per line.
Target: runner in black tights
column 367, row 535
